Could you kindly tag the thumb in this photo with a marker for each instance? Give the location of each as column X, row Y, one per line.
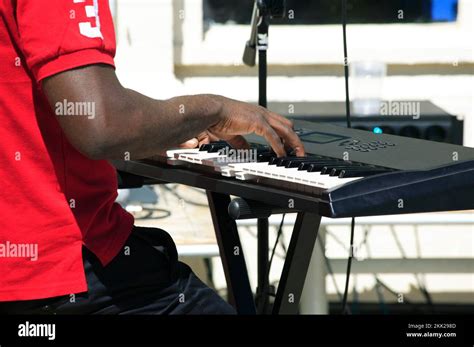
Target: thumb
column 193, row 143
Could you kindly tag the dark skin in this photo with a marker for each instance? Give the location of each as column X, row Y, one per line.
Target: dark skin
column 128, row 122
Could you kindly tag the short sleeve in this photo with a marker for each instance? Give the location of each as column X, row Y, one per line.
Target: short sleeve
column 59, row 35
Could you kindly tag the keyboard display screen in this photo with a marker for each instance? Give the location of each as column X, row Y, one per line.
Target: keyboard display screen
column 321, row 138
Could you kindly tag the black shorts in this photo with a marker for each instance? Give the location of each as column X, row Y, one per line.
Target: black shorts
column 144, row 278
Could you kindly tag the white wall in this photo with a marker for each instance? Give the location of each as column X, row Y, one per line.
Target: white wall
column 150, row 46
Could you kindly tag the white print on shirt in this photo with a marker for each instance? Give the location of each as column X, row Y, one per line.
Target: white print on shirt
column 37, row 330
column 85, row 28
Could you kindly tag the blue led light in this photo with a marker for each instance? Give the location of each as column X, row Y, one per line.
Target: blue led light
column 378, row 130
column 444, row 10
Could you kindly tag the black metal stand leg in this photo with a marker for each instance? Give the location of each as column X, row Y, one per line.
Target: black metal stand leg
column 263, row 276
column 297, row 262
column 263, row 280
column 238, row 284
column 262, row 46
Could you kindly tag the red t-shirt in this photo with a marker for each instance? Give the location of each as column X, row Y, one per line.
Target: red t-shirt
column 53, row 199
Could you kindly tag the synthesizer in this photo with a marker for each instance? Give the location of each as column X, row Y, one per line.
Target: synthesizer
column 348, row 172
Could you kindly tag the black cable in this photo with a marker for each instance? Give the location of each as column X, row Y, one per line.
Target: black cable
column 283, row 246
column 348, row 119
column 390, row 290
column 279, row 233
column 329, row 268
column 346, row 62
column 254, row 235
column 348, row 272
column 378, row 282
column 364, row 242
column 380, row 296
column 150, row 213
column 421, row 277
column 421, row 286
column 265, row 291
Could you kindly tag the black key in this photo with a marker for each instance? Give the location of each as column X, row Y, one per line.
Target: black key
column 217, row 147
column 205, row 147
column 326, row 162
column 357, row 167
column 290, row 152
column 311, row 157
column 307, row 166
column 274, row 160
column 327, row 169
column 285, row 161
column 265, row 157
column 214, row 146
column 278, row 160
column 214, row 149
column 317, row 167
column 298, row 163
column 336, row 169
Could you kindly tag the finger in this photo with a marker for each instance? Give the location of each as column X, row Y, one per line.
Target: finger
column 266, row 131
column 193, row 143
column 279, row 117
column 238, row 142
column 204, row 142
column 213, row 137
column 288, row 135
column 203, row 138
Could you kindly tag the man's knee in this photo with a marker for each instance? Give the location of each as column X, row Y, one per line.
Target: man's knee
column 200, row 298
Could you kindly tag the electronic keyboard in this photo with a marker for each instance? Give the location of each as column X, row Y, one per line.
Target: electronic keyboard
column 346, row 173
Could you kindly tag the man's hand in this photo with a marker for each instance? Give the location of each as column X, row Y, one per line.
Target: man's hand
column 238, row 118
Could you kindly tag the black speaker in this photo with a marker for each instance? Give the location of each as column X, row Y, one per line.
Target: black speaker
column 430, row 123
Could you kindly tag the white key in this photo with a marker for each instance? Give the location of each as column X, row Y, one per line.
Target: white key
column 227, row 171
column 314, row 179
column 215, row 162
column 252, row 168
column 231, row 169
column 244, row 165
column 290, row 174
column 197, row 157
column 260, row 170
column 271, row 171
column 245, row 176
column 173, row 152
column 325, row 181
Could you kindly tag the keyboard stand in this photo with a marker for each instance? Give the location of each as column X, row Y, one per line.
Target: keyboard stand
column 218, row 192
column 239, row 291
column 263, row 277
column 304, row 234
column 296, row 265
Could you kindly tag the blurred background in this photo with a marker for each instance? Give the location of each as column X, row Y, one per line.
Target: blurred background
column 417, row 53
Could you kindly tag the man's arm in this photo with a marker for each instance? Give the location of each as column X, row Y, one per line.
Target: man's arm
column 128, row 122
